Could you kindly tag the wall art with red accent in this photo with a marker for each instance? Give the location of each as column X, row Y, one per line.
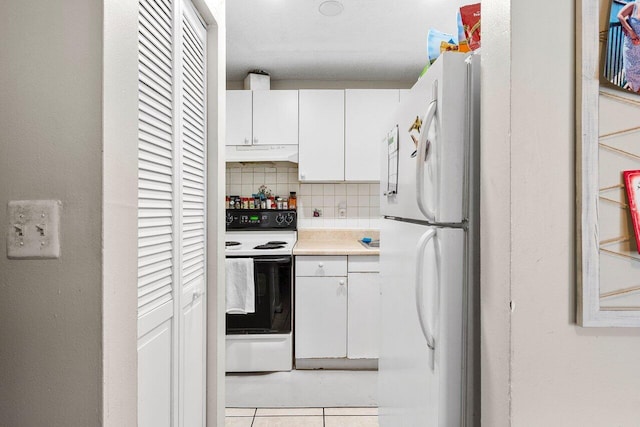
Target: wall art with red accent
column 632, row 184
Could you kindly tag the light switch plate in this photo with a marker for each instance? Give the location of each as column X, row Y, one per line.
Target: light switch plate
column 34, row 229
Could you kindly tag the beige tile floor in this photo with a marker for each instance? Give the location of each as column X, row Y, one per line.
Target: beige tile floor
column 301, row 417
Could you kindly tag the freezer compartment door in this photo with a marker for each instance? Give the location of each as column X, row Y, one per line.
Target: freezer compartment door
column 433, row 147
column 421, row 355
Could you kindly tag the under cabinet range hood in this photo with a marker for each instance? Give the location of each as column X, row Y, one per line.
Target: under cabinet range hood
column 262, row 153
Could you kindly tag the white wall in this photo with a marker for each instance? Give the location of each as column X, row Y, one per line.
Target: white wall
column 539, row 368
column 50, row 148
column 495, row 214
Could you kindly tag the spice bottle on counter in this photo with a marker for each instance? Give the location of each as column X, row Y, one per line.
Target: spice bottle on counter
column 227, row 202
column 293, row 200
column 278, row 202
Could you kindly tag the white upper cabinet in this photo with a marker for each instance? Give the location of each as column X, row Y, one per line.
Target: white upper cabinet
column 338, row 131
column 321, row 142
column 239, row 117
column 262, row 117
column 275, row 117
column 368, row 118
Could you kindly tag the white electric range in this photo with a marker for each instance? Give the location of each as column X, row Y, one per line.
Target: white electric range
column 262, row 341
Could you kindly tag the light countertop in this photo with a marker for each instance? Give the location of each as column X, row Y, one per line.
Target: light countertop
column 334, row 242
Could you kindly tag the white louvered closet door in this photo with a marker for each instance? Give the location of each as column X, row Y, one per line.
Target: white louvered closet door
column 171, row 214
column 192, row 71
column 156, row 213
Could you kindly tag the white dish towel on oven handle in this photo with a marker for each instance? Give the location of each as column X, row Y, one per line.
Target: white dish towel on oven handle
column 240, row 286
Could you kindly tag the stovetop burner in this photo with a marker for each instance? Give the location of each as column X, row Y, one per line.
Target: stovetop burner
column 250, row 243
column 270, row 245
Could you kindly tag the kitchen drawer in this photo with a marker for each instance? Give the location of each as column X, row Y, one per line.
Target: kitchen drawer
column 321, row 266
column 364, row 264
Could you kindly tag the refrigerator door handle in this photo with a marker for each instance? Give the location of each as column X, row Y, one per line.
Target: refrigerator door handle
column 427, row 330
column 423, row 149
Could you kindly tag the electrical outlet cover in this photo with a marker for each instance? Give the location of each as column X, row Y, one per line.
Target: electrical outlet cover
column 33, row 231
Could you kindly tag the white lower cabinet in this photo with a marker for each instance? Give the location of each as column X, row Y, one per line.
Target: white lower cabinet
column 337, row 316
column 363, row 318
column 321, row 317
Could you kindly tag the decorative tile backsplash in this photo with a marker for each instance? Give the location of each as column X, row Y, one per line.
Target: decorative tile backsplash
column 340, row 205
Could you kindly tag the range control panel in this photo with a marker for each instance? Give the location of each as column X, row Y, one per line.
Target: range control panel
column 244, row 219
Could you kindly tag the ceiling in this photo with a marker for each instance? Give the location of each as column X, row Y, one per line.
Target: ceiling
column 383, row 40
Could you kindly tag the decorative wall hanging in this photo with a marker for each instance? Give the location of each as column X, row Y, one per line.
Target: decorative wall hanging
column 608, row 143
column 632, row 184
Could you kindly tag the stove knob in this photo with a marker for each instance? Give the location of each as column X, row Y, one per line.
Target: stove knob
column 229, row 219
column 280, row 218
column 289, row 219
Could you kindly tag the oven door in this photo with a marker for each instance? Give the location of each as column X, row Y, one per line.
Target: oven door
column 272, row 278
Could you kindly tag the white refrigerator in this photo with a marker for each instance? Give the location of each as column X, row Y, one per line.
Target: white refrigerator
column 429, row 252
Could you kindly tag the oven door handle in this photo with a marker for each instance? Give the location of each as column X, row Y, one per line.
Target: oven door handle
column 273, row 260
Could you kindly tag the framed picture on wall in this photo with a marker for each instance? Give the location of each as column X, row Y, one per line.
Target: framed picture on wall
column 620, row 61
column 632, row 184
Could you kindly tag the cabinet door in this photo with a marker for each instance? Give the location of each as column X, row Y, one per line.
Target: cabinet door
column 320, row 317
column 364, row 316
column 275, row 117
column 369, row 116
column 321, row 142
column 239, row 117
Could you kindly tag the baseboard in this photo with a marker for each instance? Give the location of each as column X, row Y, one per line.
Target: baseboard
column 338, row 364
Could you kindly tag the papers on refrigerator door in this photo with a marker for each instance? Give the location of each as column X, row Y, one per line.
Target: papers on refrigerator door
column 392, row 161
